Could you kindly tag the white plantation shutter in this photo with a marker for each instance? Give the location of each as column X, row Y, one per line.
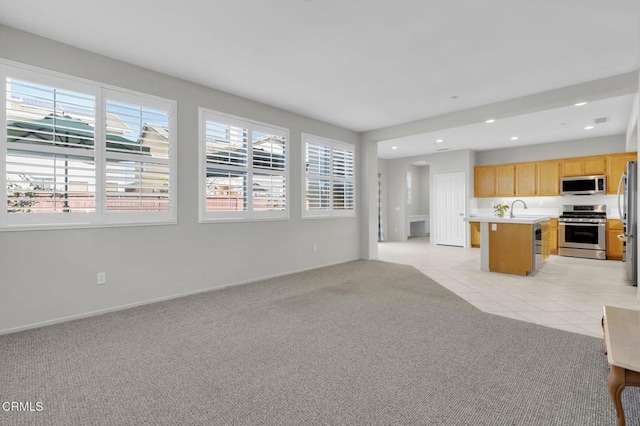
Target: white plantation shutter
column 318, row 194
column 226, row 157
column 269, row 192
column 41, row 182
column 343, row 179
column 244, row 169
column 318, row 184
column 138, row 167
column 49, row 157
column 77, row 153
column 330, row 178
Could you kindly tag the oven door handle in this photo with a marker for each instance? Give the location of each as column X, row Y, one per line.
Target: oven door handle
column 580, row 224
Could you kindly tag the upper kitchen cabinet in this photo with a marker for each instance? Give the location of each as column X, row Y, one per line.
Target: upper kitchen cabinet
column 484, row 180
column 526, row 174
column 616, row 166
column 505, row 180
column 542, row 178
column 584, row 166
column 548, row 178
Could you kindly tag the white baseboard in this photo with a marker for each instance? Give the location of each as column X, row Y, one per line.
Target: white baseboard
column 159, row 299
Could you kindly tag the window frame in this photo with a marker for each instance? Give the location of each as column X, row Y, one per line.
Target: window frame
column 101, row 92
column 250, row 214
column 332, row 145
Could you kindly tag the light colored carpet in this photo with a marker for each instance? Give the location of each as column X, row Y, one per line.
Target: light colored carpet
column 362, row 343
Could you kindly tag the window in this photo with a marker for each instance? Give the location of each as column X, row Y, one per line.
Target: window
column 137, row 158
column 76, row 153
column 330, row 177
column 244, row 171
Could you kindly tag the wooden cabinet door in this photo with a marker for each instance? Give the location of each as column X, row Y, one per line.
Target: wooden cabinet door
column 553, row 236
column 526, row 174
column 549, row 178
column 503, row 255
column 595, row 165
column 475, row 234
column 616, row 166
column 505, row 180
column 614, row 245
column 573, row 167
column 584, row 166
column 546, row 248
column 484, row 181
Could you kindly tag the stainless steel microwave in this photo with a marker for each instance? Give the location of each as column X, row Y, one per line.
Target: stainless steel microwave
column 583, row 185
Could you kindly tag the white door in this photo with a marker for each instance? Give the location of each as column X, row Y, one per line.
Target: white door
column 450, row 209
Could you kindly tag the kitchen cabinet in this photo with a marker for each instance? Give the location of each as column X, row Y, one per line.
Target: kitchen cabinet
column 616, row 166
column 584, row 166
column 509, row 245
column 475, row 234
column 542, row 178
column 546, row 247
column 614, row 245
column 503, row 256
column 485, row 181
column 512, row 247
column 526, row 174
column 595, row 165
column 553, row 235
column 549, row 178
column 505, row 180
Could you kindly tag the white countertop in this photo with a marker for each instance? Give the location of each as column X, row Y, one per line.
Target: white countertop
column 506, row 219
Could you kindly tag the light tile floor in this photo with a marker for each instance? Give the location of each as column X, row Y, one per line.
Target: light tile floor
column 566, row 293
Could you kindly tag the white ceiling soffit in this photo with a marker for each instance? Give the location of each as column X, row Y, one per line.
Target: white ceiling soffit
column 359, row 64
column 606, row 117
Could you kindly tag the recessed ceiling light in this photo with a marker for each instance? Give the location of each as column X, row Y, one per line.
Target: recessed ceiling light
column 588, row 128
column 514, row 138
column 489, row 121
column 580, row 104
column 394, row 147
column 439, row 141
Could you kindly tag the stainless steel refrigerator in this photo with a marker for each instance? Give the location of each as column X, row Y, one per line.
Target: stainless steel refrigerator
column 628, row 207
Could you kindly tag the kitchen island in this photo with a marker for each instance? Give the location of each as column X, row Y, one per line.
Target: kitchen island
column 517, row 245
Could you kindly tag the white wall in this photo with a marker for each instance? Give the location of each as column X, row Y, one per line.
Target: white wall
column 420, row 199
column 49, row 275
column 384, row 196
column 634, row 124
column 550, row 151
column 425, row 193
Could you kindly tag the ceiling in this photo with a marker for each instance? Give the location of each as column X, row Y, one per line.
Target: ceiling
column 604, row 117
column 367, row 64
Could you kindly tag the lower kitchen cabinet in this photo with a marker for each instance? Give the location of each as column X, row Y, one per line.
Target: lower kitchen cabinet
column 475, row 234
column 614, row 244
column 553, row 235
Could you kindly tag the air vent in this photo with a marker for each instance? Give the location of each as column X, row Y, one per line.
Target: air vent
column 442, row 149
column 601, row 120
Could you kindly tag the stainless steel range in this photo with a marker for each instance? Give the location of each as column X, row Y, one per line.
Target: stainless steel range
column 581, row 231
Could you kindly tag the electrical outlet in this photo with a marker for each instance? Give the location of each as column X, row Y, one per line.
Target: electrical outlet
column 102, row 277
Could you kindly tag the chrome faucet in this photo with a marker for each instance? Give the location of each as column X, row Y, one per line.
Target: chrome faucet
column 515, row 201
